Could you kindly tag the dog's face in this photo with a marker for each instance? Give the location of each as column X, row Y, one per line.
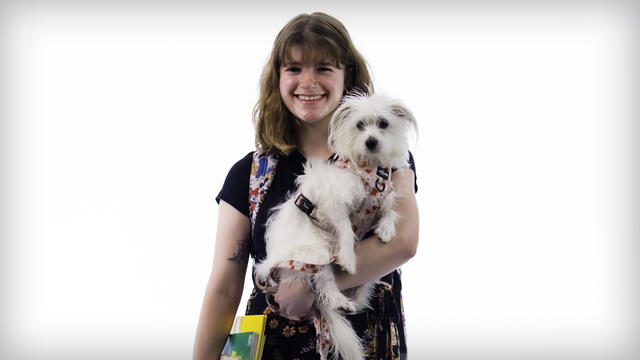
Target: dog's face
column 372, row 128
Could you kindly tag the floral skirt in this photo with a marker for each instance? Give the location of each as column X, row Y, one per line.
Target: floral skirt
column 381, row 329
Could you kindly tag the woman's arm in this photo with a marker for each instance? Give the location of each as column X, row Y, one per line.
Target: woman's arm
column 375, row 258
column 226, row 282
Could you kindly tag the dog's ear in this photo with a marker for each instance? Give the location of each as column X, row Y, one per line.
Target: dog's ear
column 402, row 112
column 342, row 112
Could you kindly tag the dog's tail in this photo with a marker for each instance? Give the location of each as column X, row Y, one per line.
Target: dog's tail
column 344, row 341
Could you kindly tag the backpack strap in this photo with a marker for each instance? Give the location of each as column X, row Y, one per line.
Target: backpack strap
column 263, row 169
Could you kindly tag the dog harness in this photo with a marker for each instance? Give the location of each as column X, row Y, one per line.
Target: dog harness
column 377, row 183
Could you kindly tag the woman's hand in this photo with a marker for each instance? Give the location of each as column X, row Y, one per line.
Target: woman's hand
column 295, row 300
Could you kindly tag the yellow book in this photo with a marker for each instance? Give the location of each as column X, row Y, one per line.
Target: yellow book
column 255, row 323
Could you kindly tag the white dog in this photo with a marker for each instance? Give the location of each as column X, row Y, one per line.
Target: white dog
column 337, row 202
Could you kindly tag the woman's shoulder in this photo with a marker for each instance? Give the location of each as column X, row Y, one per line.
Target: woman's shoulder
column 240, row 169
column 236, row 185
column 245, row 160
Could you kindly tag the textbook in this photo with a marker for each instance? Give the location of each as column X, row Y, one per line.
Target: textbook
column 243, row 325
column 240, row 346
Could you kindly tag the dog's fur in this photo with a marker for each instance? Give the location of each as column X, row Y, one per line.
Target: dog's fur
column 292, row 235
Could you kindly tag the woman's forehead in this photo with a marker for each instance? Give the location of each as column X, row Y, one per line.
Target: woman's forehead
column 309, row 54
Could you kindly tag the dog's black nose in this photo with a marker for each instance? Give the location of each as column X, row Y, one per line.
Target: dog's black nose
column 371, row 143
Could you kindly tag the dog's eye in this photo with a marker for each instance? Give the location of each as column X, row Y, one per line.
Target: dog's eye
column 383, row 124
column 360, row 125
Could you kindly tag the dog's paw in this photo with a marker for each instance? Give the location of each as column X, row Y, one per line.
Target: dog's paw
column 348, row 307
column 347, row 261
column 262, row 272
column 385, row 233
column 334, row 299
column 348, row 266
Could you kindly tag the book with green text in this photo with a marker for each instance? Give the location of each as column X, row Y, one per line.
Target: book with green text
column 240, row 346
column 255, row 324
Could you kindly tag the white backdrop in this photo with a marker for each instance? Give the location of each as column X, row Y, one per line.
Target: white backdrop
column 120, row 122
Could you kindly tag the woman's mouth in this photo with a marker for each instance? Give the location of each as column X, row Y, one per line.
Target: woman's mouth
column 309, row 98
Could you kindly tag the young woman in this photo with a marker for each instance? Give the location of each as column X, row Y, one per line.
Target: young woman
column 312, row 65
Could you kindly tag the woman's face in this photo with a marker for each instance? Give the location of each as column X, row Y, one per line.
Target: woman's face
column 310, row 91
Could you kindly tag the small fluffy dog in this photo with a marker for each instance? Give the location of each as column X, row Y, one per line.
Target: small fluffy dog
column 337, row 202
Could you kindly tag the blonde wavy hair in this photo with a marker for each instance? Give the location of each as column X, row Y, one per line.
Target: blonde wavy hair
column 321, row 38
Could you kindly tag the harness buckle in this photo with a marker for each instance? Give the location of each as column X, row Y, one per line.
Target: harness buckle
column 304, row 204
column 383, row 173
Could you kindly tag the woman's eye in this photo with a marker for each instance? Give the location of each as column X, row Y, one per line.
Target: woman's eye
column 360, row 125
column 293, row 69
column 324, row 68
column 383, row 124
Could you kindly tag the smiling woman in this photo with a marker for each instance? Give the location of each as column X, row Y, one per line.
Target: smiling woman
column 312, row 66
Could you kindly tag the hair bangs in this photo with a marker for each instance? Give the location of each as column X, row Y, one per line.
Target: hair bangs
column 314, row 48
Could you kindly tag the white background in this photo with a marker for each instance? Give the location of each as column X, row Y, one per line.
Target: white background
column 120, row 122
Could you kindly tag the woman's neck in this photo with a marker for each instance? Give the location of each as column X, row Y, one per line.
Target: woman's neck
column 312, row 139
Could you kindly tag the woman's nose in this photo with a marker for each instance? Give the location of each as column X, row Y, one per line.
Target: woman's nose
column 308, row 78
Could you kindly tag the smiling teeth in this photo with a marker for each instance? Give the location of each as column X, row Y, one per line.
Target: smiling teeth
column 309, row 98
